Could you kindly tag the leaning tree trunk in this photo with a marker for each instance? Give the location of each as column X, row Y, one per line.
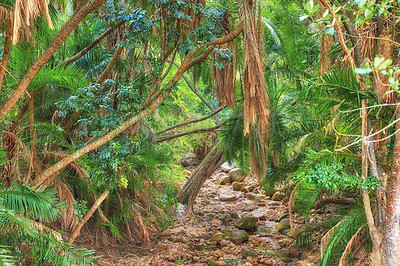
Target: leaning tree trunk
column 89, row 214
column 6, row 52
column 211, row 162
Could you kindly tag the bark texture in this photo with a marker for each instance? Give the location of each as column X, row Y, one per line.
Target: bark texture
column 6, row 52
column 211, row 162
column 391, row 243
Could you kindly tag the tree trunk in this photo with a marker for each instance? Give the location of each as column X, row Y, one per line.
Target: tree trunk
column 211, row 162
column 6, row 52
column 391, row 243
column 90, row 46
column 54, row 45
column 89, row 214
column 111, row 64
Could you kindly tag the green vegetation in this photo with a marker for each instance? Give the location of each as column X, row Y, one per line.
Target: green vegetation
column 103, row 101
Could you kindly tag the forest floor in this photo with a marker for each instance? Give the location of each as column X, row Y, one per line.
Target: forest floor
column 234, row 224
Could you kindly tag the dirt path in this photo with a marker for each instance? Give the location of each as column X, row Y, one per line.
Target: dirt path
column 212, row 236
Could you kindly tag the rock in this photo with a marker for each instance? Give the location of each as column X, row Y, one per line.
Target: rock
column 246, row 252
column 227, row 233
column 211, row 263
column 284, row 224
column 225, row 217
column 285, row 232
column 239, row 236
column 219, row 253
column 283, row 216
column 224, row 179
column 250, row 196
column 278, row 196
column 237, row 186
column 180, row 211
column 224, row 242
column 216, row 222
column 227, row 196
column 217, row 237
column 188, row 159
column 249, row 188
column 220, row 263
column 226, row 167
column 247, row 223
column 263, row 213
column 294, row 232
column 281, row 253
column 236, row 175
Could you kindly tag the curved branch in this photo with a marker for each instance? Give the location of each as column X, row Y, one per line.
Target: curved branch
column 195, row 131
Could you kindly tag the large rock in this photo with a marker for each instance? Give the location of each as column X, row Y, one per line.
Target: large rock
column 188, row 159
column 236, row 175
column 246, row 252
column 247, row 223
column 227, row 196
column 239, row 236
column 284, row 224
column 278, row 196
column 237, row 186
column 226, row 167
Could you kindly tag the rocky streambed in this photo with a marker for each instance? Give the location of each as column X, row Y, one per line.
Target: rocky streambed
column 234, row 224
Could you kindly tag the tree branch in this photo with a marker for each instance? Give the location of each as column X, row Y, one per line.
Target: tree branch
column 195, row 131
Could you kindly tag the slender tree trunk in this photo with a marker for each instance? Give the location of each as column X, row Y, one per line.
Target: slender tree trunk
column 35, row 160
column 376, row 236
column 111, row 64
column 89, row 214
column 191, row 189
column 391, row 243
column 90, row 46
column 6, row 52
column 54, row 45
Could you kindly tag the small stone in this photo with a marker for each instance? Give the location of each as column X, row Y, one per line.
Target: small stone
column 224, row 179
column 246, row 252
column 247, row 223
column 239, row 236
column 236, row 175
column 278, row 196
column 226, row 167
column 225, row 217
column 217, row 237
column 250, row 196
column 216, row 222
column 180, row 211
column 219, row 253
column 249, row 188
column 227, row 196
column 224, row 242
column 237, row 186
column 211, row 263
column 284, row 224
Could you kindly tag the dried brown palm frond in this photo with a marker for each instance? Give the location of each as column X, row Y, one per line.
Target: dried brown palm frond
column 256, row 107
column 24, row 14
column 256, row 110
column 223, row 81
column 326, row 237
column 68, row 218
column 355, row 240
column 367, row 44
